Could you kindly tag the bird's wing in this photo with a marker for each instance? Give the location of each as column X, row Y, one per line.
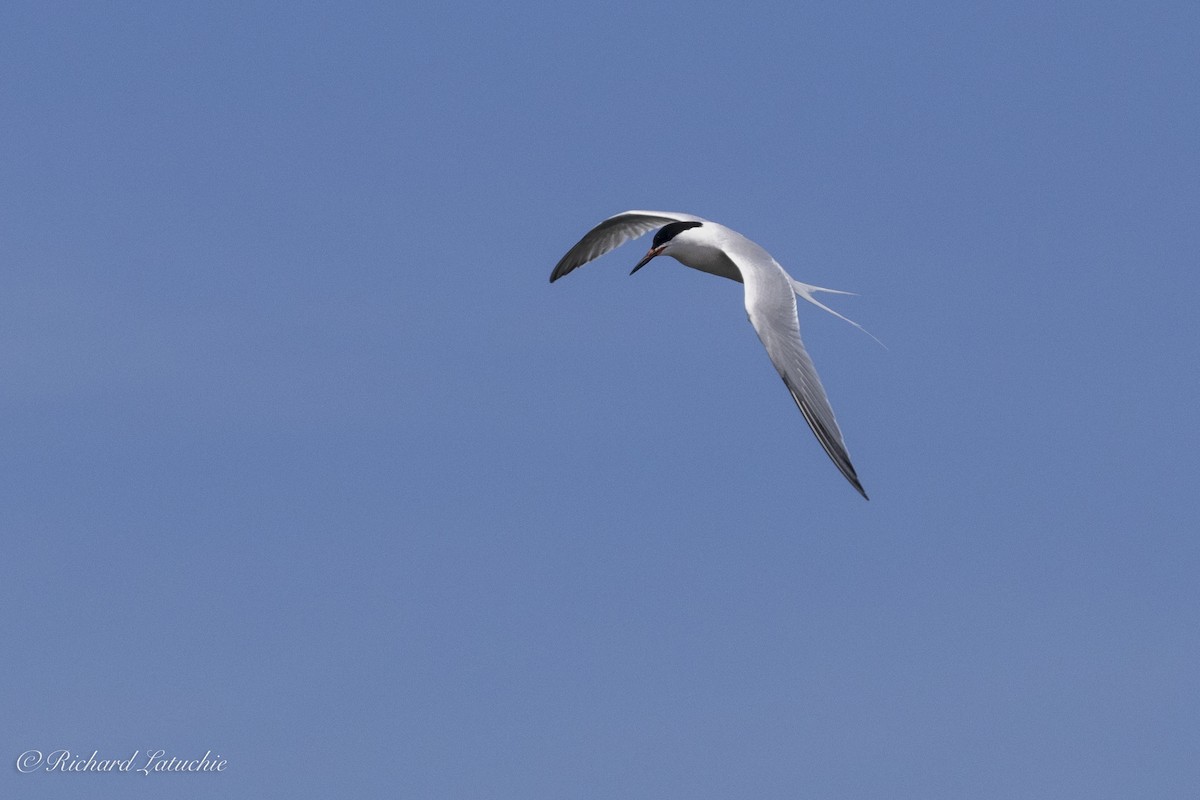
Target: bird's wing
column 612, row 233
column 771, row 306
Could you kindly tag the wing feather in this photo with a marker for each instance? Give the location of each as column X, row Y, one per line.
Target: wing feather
column 771, row 306
column 612, row 233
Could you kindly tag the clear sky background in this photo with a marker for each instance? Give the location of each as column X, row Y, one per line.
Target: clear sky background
column 305, row 463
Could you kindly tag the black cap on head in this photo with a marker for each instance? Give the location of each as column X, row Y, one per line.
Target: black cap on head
column 672, row 229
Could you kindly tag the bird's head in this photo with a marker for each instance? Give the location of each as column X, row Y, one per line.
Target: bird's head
column 664, row 239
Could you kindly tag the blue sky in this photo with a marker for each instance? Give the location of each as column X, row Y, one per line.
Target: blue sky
column 305, row 463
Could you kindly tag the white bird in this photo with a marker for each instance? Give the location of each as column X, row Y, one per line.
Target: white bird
column 770, row 300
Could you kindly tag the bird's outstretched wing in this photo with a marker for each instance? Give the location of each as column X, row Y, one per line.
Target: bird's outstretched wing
column 771, row 306
column 612, row 233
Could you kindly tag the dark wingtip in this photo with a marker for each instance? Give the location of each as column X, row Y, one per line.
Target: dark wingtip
column 852, row 476
column 559, row 271
column 829, row 443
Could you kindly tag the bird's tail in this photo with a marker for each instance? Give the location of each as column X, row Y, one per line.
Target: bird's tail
column 806, row 291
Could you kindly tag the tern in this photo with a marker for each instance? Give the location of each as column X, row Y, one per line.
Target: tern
column 770, row 300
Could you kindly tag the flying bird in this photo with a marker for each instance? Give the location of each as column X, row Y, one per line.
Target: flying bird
column 770, row 300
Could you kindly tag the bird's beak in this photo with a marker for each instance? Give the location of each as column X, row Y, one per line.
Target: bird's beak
column 653, row 252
